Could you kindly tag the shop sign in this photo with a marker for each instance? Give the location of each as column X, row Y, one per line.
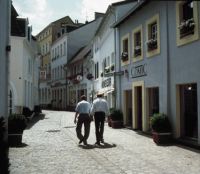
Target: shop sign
column 139, row 71
column 106, row 83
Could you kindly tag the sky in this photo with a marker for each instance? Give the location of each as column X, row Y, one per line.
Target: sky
column 42, row 12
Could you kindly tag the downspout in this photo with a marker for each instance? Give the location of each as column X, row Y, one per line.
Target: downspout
column 167, row 62
column 117, row 78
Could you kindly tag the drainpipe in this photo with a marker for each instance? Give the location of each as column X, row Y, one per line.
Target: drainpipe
column 167, row 63
column 117, row 78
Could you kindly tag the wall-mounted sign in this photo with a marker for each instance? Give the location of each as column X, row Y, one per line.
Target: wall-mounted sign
column 139, row 71
column 106, row 83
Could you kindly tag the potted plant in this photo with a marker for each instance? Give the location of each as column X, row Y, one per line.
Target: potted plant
column 2, row 128
column 4, row 161
column 161, row 128
column 16, row 125
column 116, row 118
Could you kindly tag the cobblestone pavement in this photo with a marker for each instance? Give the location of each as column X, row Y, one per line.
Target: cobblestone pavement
column 51, row 147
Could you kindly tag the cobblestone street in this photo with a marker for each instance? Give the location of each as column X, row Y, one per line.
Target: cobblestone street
column 50, row 146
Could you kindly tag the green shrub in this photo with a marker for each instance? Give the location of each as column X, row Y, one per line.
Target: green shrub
column 160, row 123
column 116, row 114
column 16, row 123
column 2, row 127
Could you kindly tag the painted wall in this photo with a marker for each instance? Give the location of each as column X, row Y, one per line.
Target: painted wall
column 184, row 62
column 156, row 66
column 4, row 55
column 16, row 70
column 81, row 37
column 23, row 67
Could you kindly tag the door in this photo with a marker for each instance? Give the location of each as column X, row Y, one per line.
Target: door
column 138, row 91
column 189, row 117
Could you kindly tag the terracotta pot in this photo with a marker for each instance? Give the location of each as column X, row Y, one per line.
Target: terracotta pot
column 116, row 124
column 162, row 138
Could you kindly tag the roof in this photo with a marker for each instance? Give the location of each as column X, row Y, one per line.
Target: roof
column 80, row 54
column 109, row 9
column 138, row 6
column 56, row 21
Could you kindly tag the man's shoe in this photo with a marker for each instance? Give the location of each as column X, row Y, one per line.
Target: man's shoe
column 102, row 140
column 80, row 141
column 97, row 144
column 85, row 143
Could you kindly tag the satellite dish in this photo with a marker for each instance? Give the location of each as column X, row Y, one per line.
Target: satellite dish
column 79, row 77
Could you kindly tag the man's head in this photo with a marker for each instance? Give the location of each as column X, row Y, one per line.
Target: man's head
column 83, row 97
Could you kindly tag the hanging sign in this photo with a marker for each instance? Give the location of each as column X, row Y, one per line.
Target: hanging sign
column 139, row 71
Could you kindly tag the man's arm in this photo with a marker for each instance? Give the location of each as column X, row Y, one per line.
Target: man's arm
column 76, row 114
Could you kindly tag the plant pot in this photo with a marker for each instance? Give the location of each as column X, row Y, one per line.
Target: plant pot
column 14, row 139
column 162, row 138
column 116, row 124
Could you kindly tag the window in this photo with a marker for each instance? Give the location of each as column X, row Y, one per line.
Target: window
column 153, row 36
column 112, row 66
column 64, row 48
column 137, row 44
column 61, row 50
column 125, row 49
column 186, row 21
column 152, row 39
column 96, row 70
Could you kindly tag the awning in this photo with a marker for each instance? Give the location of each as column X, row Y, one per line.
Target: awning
column 110, row 91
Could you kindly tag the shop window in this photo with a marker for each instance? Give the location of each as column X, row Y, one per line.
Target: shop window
column 186, row 21
column 153, row 36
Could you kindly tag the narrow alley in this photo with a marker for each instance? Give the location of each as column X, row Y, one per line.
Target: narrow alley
column 50, row 146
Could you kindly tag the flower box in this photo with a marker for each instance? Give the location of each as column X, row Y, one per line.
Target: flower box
column 124, row 56
column 186, row 27
column 152, row 44
column 137, row 51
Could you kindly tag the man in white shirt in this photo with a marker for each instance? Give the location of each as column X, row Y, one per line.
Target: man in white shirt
column 82, row 111
column 100, row 110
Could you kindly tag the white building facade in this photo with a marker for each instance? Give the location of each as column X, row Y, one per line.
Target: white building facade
column 23, row 66
column 58, row 74
column 104, row 51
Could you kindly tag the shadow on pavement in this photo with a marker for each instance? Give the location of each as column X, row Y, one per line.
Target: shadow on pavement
column 69, row 127
column 102, row 146
column 34, row 120
column 21, row 145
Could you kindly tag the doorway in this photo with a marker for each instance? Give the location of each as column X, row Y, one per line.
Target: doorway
column 138, row 105
column 153, row 102
column 128, row 108
column 188, row 111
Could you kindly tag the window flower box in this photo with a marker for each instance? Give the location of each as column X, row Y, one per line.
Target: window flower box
column 152, row 44
column 186, row 27
column 137, row 51
column 124, row 56
column 107, row 69
column 90, row 76
column 112, row 67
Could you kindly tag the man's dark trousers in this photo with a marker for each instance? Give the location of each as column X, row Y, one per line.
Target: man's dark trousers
column 99, row 118
column 83, row 119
